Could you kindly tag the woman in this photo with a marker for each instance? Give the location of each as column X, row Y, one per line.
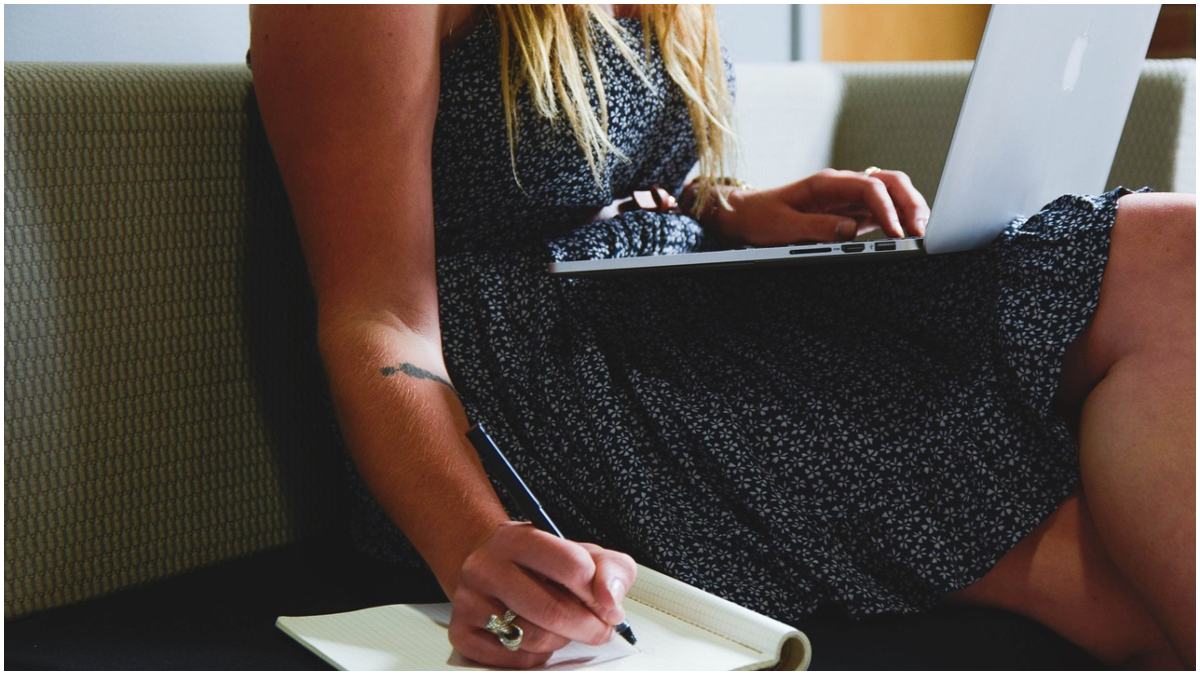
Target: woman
column 1012, row 427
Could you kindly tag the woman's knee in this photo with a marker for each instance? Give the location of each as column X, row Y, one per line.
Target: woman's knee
column 1155, row 236
column 1157, row 228
column 1147, row 297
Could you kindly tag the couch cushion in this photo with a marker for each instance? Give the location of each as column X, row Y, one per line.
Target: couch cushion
column 223, row 617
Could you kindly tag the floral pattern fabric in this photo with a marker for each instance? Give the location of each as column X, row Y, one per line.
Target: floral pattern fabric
column 862, row 436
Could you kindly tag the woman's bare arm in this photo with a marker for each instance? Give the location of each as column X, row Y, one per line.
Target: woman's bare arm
column 348, row 96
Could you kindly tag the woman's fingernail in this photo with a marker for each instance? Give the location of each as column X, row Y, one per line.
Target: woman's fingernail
column 921, row 225
column 846, row 229
column 617, row 588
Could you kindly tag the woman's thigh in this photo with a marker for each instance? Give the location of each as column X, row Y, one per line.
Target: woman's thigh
column 1060, row 576
column 1147, row 298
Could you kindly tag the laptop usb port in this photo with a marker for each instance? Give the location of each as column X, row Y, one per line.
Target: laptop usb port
column 853, row 248
column 885, row 246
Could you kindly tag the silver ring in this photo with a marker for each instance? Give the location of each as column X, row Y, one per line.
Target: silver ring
column 509, row 634
column 872, row 170
column 497, row 625
column 512, row 641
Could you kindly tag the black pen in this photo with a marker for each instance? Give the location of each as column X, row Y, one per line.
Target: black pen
column 497, row 465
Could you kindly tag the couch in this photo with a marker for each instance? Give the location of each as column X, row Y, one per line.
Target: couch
column 173, row 473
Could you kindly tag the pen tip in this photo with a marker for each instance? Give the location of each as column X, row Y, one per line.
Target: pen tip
column 626, row 632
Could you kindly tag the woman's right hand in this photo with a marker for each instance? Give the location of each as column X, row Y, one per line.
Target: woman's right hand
column 560, row 591
column 827, row 206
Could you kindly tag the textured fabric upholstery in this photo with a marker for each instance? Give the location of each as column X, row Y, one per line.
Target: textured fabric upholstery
column 1158, row 146
column 902, row 115
column 796, row 118
column 165, row 407
column 155, row 333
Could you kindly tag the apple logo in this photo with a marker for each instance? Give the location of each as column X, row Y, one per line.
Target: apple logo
column 1074, row 63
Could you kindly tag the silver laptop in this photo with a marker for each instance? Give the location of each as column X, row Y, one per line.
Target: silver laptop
column 1042, row 117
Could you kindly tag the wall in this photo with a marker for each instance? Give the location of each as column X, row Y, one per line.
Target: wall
column 137, row 33
column 754, row 33
column 221, row 33
column 901, row 32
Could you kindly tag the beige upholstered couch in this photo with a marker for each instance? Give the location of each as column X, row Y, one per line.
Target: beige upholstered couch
column 164, row 405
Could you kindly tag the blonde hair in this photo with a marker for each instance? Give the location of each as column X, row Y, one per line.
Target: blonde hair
column 545, row 48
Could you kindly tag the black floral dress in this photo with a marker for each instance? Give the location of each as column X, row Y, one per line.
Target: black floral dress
column 863, row 437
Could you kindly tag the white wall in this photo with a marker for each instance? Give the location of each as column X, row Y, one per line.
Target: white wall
column 221, row 33
column 753, row 33
column 140, row 33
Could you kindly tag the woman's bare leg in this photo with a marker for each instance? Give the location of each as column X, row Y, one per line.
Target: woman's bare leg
column 1061, row 577
column 1114, row 572
column 1137, row 428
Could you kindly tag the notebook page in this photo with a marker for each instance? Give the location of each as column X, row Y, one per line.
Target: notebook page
column 666, row 642
column 679, row 627
column 754, row 632
column 413, row 637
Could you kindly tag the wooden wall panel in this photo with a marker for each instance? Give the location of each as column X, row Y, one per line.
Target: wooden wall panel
column 937, row 32
column 1175, row 34
column 901, row 32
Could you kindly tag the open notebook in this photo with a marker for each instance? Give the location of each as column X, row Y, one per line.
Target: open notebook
column 679, row 627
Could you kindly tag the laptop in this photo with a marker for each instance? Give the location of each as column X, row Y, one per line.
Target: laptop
column 1043, row 114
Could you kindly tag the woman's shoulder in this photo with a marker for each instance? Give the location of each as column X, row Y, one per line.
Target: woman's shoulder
column 452, row 23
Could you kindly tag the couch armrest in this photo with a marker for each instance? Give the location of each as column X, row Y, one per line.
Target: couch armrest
column 902, row 115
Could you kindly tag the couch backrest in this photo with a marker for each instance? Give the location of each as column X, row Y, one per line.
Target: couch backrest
column 796, row 118
column 163, row 398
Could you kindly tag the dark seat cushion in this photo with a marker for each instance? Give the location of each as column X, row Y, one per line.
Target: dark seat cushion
column 223, row 618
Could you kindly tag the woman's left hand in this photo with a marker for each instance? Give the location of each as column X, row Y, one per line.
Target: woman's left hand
column 830, row 205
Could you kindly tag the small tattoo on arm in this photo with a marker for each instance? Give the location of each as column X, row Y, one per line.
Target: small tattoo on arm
column 417, row 372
